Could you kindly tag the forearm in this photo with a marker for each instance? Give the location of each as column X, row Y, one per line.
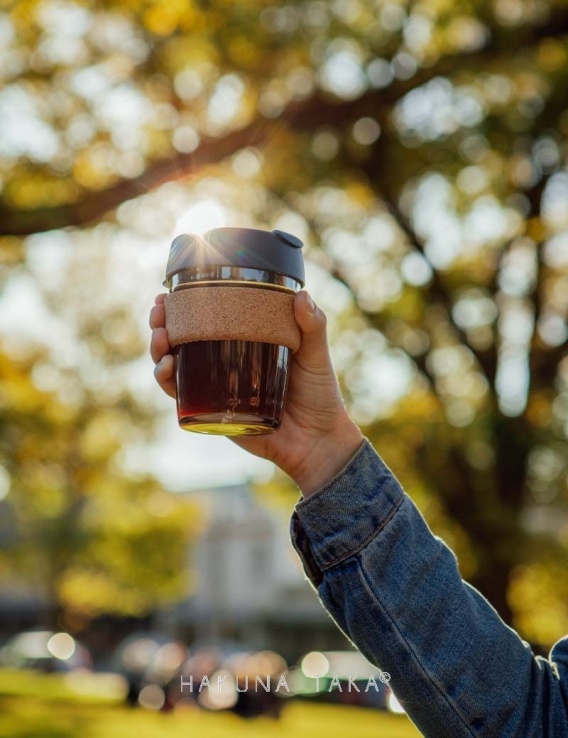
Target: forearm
column 396, row 592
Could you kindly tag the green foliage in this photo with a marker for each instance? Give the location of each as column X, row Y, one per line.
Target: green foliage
column 89, row 536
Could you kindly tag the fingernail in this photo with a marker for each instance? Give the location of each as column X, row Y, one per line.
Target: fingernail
column 311, row 304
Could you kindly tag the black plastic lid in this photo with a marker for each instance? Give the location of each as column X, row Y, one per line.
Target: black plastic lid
column 273, row 251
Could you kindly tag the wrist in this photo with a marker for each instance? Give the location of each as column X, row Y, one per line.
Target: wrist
column 328, row 456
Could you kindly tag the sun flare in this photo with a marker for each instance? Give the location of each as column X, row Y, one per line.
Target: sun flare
column 201, row 217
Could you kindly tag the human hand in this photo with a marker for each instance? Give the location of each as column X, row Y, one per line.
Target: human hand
column 316, row 437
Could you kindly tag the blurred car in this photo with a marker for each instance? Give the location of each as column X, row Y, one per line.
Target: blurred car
column 45, row 650
column 341, row 677
column 148, row 660
column 230, row 676
column 163, row 674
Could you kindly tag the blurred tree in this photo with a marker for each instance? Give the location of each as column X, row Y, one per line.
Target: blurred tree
column 88, row 537
column 89, row 533
column 420, row 145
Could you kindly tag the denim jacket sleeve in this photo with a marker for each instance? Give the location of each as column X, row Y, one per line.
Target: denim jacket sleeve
column 394, row 589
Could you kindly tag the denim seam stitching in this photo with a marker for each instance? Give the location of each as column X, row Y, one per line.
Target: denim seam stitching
column 375, row 532
column 422, row 668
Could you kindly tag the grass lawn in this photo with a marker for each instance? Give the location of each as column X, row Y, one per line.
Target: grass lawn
column 38, row 706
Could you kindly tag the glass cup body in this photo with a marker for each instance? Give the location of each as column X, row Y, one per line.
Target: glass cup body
column 231, row 387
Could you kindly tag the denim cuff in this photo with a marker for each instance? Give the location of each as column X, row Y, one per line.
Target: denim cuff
column 346, row 513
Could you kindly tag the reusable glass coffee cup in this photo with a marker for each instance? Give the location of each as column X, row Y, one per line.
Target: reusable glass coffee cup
column 230, row 322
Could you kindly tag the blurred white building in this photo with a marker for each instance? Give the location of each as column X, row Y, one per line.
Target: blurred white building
column 245, row 584
column 248, row 581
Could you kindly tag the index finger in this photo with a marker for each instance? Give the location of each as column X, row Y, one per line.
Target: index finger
column 160, row 298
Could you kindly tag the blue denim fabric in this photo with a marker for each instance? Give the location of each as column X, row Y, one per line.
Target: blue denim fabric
column 395, row 591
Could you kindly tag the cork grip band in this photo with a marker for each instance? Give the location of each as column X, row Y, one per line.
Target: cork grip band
column 217, row 313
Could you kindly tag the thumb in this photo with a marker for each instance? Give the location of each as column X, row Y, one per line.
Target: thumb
column 313, row 353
